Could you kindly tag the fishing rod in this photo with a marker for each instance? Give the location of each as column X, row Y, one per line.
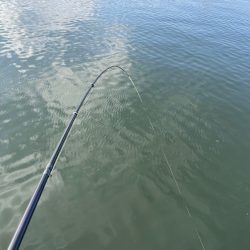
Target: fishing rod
column 24, row 223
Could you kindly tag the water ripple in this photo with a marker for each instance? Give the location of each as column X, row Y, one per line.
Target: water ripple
column 189, row 61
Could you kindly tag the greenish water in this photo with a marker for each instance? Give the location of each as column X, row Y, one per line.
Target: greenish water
column 112, row 188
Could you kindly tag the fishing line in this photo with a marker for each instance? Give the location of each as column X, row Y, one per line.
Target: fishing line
column 24, row 223
column 170, row 170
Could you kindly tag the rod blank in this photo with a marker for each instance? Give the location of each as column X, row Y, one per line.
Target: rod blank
column 24, row 223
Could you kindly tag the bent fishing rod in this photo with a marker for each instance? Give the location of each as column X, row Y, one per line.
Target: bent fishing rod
column 24, row 223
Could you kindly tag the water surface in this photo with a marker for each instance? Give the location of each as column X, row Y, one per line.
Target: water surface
column 112, row 188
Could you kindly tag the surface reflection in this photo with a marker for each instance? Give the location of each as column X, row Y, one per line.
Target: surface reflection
column 111, row 187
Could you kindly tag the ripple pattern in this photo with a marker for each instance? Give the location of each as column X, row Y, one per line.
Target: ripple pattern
column 112, row 188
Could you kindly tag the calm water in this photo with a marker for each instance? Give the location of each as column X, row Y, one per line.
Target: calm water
column 112, row 188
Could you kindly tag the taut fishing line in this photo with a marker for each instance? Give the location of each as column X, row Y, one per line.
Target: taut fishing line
column 168, row 164
column 24, row 223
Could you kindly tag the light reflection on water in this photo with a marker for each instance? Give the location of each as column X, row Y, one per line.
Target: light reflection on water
column 111, row 188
